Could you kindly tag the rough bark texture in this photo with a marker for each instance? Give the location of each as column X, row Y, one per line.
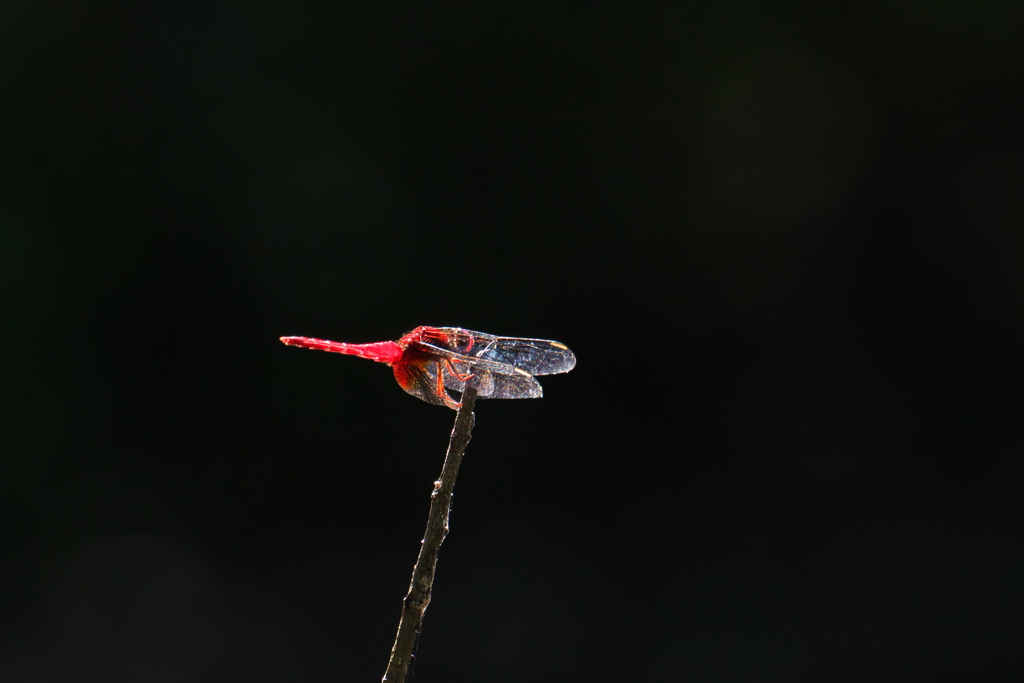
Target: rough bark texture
column 415, row 603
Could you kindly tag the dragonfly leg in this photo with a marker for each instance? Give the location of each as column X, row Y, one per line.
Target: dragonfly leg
column 455, row 373
column 439, row 387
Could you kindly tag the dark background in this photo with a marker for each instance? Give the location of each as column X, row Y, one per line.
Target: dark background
column 784, row 240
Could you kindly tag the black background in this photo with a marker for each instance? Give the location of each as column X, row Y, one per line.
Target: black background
column 784, row 240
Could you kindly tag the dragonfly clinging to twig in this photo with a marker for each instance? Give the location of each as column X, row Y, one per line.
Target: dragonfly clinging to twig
column 431, row 361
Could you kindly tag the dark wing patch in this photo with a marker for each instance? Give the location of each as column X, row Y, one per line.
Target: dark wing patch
column 420, row 380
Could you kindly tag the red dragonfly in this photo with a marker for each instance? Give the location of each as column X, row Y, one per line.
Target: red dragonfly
column 431, row 361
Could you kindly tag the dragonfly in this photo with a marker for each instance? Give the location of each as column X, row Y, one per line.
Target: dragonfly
column 431, row 362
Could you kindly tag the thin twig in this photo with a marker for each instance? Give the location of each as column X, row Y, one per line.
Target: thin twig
column 415, row 603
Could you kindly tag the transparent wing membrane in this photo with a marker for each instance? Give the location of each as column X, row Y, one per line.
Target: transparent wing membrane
column 493, row 380
column 535, row 356
column 491, row 384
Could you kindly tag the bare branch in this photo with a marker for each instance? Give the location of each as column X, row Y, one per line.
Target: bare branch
column 415, row 603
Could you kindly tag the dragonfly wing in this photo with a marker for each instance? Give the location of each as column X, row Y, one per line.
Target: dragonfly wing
column 455, row 376
column 536, row 356
column 493, row 379
column 462, row 364
column 420, row 380
column 489, row 384
column 515, row 386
